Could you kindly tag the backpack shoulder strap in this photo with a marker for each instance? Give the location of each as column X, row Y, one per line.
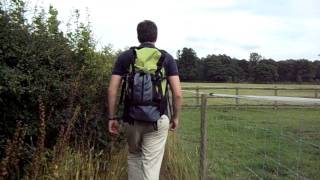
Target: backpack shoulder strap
column 133, row 60
column 161, row 60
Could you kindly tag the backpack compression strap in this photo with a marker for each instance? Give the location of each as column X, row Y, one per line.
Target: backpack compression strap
column 160, row 62
column 159, row 73
column 125, row 77
column 163, row 102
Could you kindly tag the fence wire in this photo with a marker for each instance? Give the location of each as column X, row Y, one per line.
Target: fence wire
column 279, row 140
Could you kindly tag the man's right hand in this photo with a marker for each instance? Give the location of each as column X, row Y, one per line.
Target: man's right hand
column 175, row 85
column 174, row 124
column 113, row 127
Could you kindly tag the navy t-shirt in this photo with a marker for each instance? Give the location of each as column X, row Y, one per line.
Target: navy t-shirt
column 121, row 66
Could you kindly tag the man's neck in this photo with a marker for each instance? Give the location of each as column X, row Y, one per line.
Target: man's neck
column 153, row 43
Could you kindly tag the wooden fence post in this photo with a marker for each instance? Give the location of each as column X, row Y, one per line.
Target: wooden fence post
column 237, row 99
column 198, row 95
column 275, row 94
column 203, row 146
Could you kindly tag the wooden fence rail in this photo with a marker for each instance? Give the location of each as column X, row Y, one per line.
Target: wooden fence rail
column 275, row 89
column 247, row 88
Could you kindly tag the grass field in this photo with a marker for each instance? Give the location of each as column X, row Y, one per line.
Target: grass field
column 251, row 143
column 256, row 143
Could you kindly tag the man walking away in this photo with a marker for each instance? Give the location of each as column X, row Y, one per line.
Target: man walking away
column 146, row 73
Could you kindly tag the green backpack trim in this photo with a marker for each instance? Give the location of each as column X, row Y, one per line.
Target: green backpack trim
column 147, row 59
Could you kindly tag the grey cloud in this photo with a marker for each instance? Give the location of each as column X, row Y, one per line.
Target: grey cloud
column 215, row 42
column 275, row 8
column 198, row 39
column 249, row 47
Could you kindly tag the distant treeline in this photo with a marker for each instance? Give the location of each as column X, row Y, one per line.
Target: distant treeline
column 223, row 68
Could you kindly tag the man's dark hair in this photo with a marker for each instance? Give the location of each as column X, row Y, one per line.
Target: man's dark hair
column 147, row 31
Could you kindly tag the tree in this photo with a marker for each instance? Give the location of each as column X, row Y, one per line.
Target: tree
column 253, row 62
column 243, row 69
column 53, row 22
column 316, row 64
column 214, row 69
column 264, row 72
column 188, row 64
column 255, row 58
column 304, row 70
column 286, row 71
column 221, row 68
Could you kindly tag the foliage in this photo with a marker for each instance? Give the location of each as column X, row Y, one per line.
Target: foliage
column 220, row 68
column 223, row 68
column 265, row 71
column 66, row 70
column 188, row 66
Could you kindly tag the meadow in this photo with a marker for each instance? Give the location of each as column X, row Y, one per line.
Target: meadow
column 255, row 143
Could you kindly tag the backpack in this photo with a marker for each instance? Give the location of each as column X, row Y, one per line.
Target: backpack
column 144, row 90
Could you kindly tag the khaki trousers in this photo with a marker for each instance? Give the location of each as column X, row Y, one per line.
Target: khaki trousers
column 146, row 148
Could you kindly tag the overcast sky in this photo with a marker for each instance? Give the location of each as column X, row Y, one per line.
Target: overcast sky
column 278, row 29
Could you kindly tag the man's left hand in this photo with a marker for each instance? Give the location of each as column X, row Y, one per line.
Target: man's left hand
column 113, row 127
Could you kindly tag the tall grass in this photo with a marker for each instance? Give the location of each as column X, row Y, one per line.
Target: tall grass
column 177, row 164
column 76, row 165
column 67, row 162
column 9, row 166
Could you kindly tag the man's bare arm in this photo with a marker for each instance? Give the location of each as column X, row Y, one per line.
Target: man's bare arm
column 177, row 99
column 112, row 94
column 112, row 98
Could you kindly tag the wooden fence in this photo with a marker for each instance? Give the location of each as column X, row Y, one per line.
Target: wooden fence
column 201, row 100
column 197, row 92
